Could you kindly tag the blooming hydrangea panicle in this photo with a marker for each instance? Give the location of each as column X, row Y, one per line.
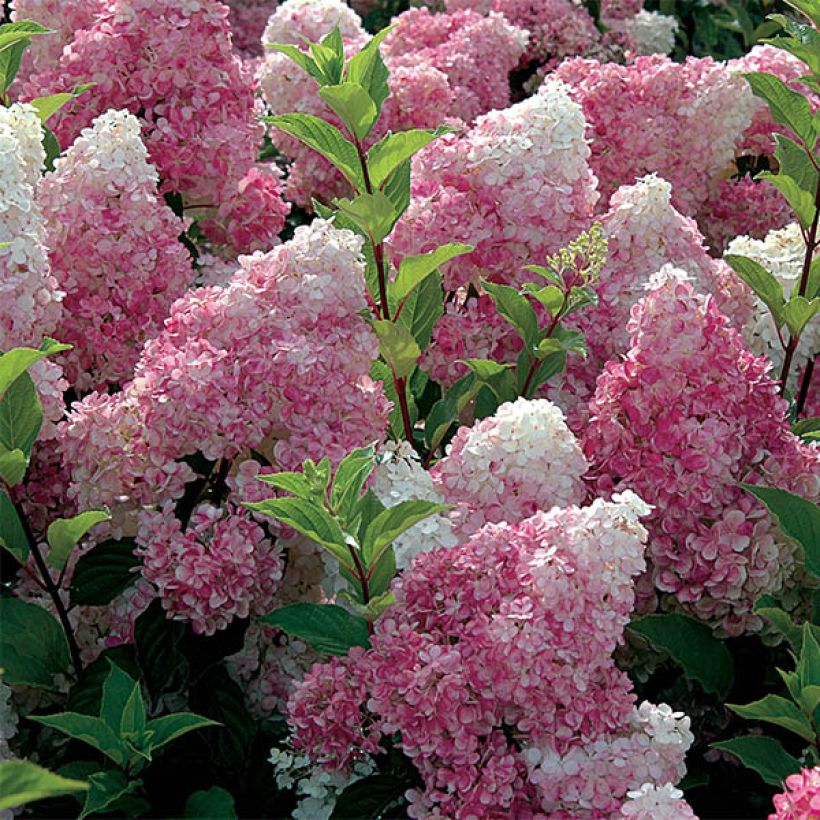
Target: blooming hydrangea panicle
column 800, row 800
column 170, row 63
column 510, row 465
column 477, row 54
column 220, row 567
column 482, row 646
column 643, row 232
column 29, row 293
column 640, row 121
column 683, row 419
column 276, row 358
column 114, row 250
column 648, row 32
column 782, row 253
column 296, row 20
column 532, row 155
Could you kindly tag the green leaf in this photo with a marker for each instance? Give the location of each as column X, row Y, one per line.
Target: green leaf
column 64, row 533
column 807, row 428
column 801, row 201
column 309, row 519
column 779, row 711
column 89, row 729
column 22, row 782
column 397, row 346
column 551, row 365
column 21, row 415
column 329, row 55
column 813, row 283
column 11, row 33
column 106, row 789
column 165, row 729
column 761, row 282
column 10, row 63
column 383, row 572
column 13, row 464
column 794, row 162
column 368, row 70
column 798, row 312
column 51, row 146
column 486, row 369
column 692, row 646
column 104, row 572
column 14, row 363
column 551, row 296
column 422, row 309
column 388, row 525
column 798, row 519
column 33, row 647
column 780, row 620
column 373, row 213
column 48, row 106
column 413, row 270
column 214, row 804
column 325, row 138
column 517, row 310
column 394, row 149
column 371, row 796
column 352, row 472
column 765, row 755
column 117, row 689
column 326, row 627
column 499, row 378
column 807, row 7
column 397, row 187
column 353, row 105
column 445, row 411
column 808, row 666
column 294, row 483
column 303, row 60
column 787, row 107
column 12, row 535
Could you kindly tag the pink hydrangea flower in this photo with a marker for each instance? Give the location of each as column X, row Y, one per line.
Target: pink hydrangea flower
column 220, row 567
column 277, row 359
column 800, row 800
column 640, row 121
column 476, row 53
column 114, row 250
column 510, row 465
column 248, row 20
column 473, row 188
column 479, row 672
column 685, row 417
column 170, row 63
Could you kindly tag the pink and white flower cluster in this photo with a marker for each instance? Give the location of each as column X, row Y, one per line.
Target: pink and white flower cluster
column 800, row 799
column 478, row 669
column 170, row 63
column 114, row 250
column 685, row 417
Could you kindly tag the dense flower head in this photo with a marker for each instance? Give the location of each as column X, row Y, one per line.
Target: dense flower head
column 800, row 800
column 644, row 232
column 782, row 254
column 477, row 53
column 295, row 20
column 509, row 465
column 557, row 28
column 220, row 567
column 63, row 18
column 683, row 419
column 248, row 21
column 640, row 121
column 517, row 186
column 170, row 63
column 114, row 250
column 647, row 32
column 30, row 295
column 482, row 647
column 276, row 358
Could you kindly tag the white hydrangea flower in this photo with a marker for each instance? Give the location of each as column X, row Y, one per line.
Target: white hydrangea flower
column 652, row 802
column 313, row 19
column 781, row 253
column 400, row 477
column 651, row 32
column 317, row 788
